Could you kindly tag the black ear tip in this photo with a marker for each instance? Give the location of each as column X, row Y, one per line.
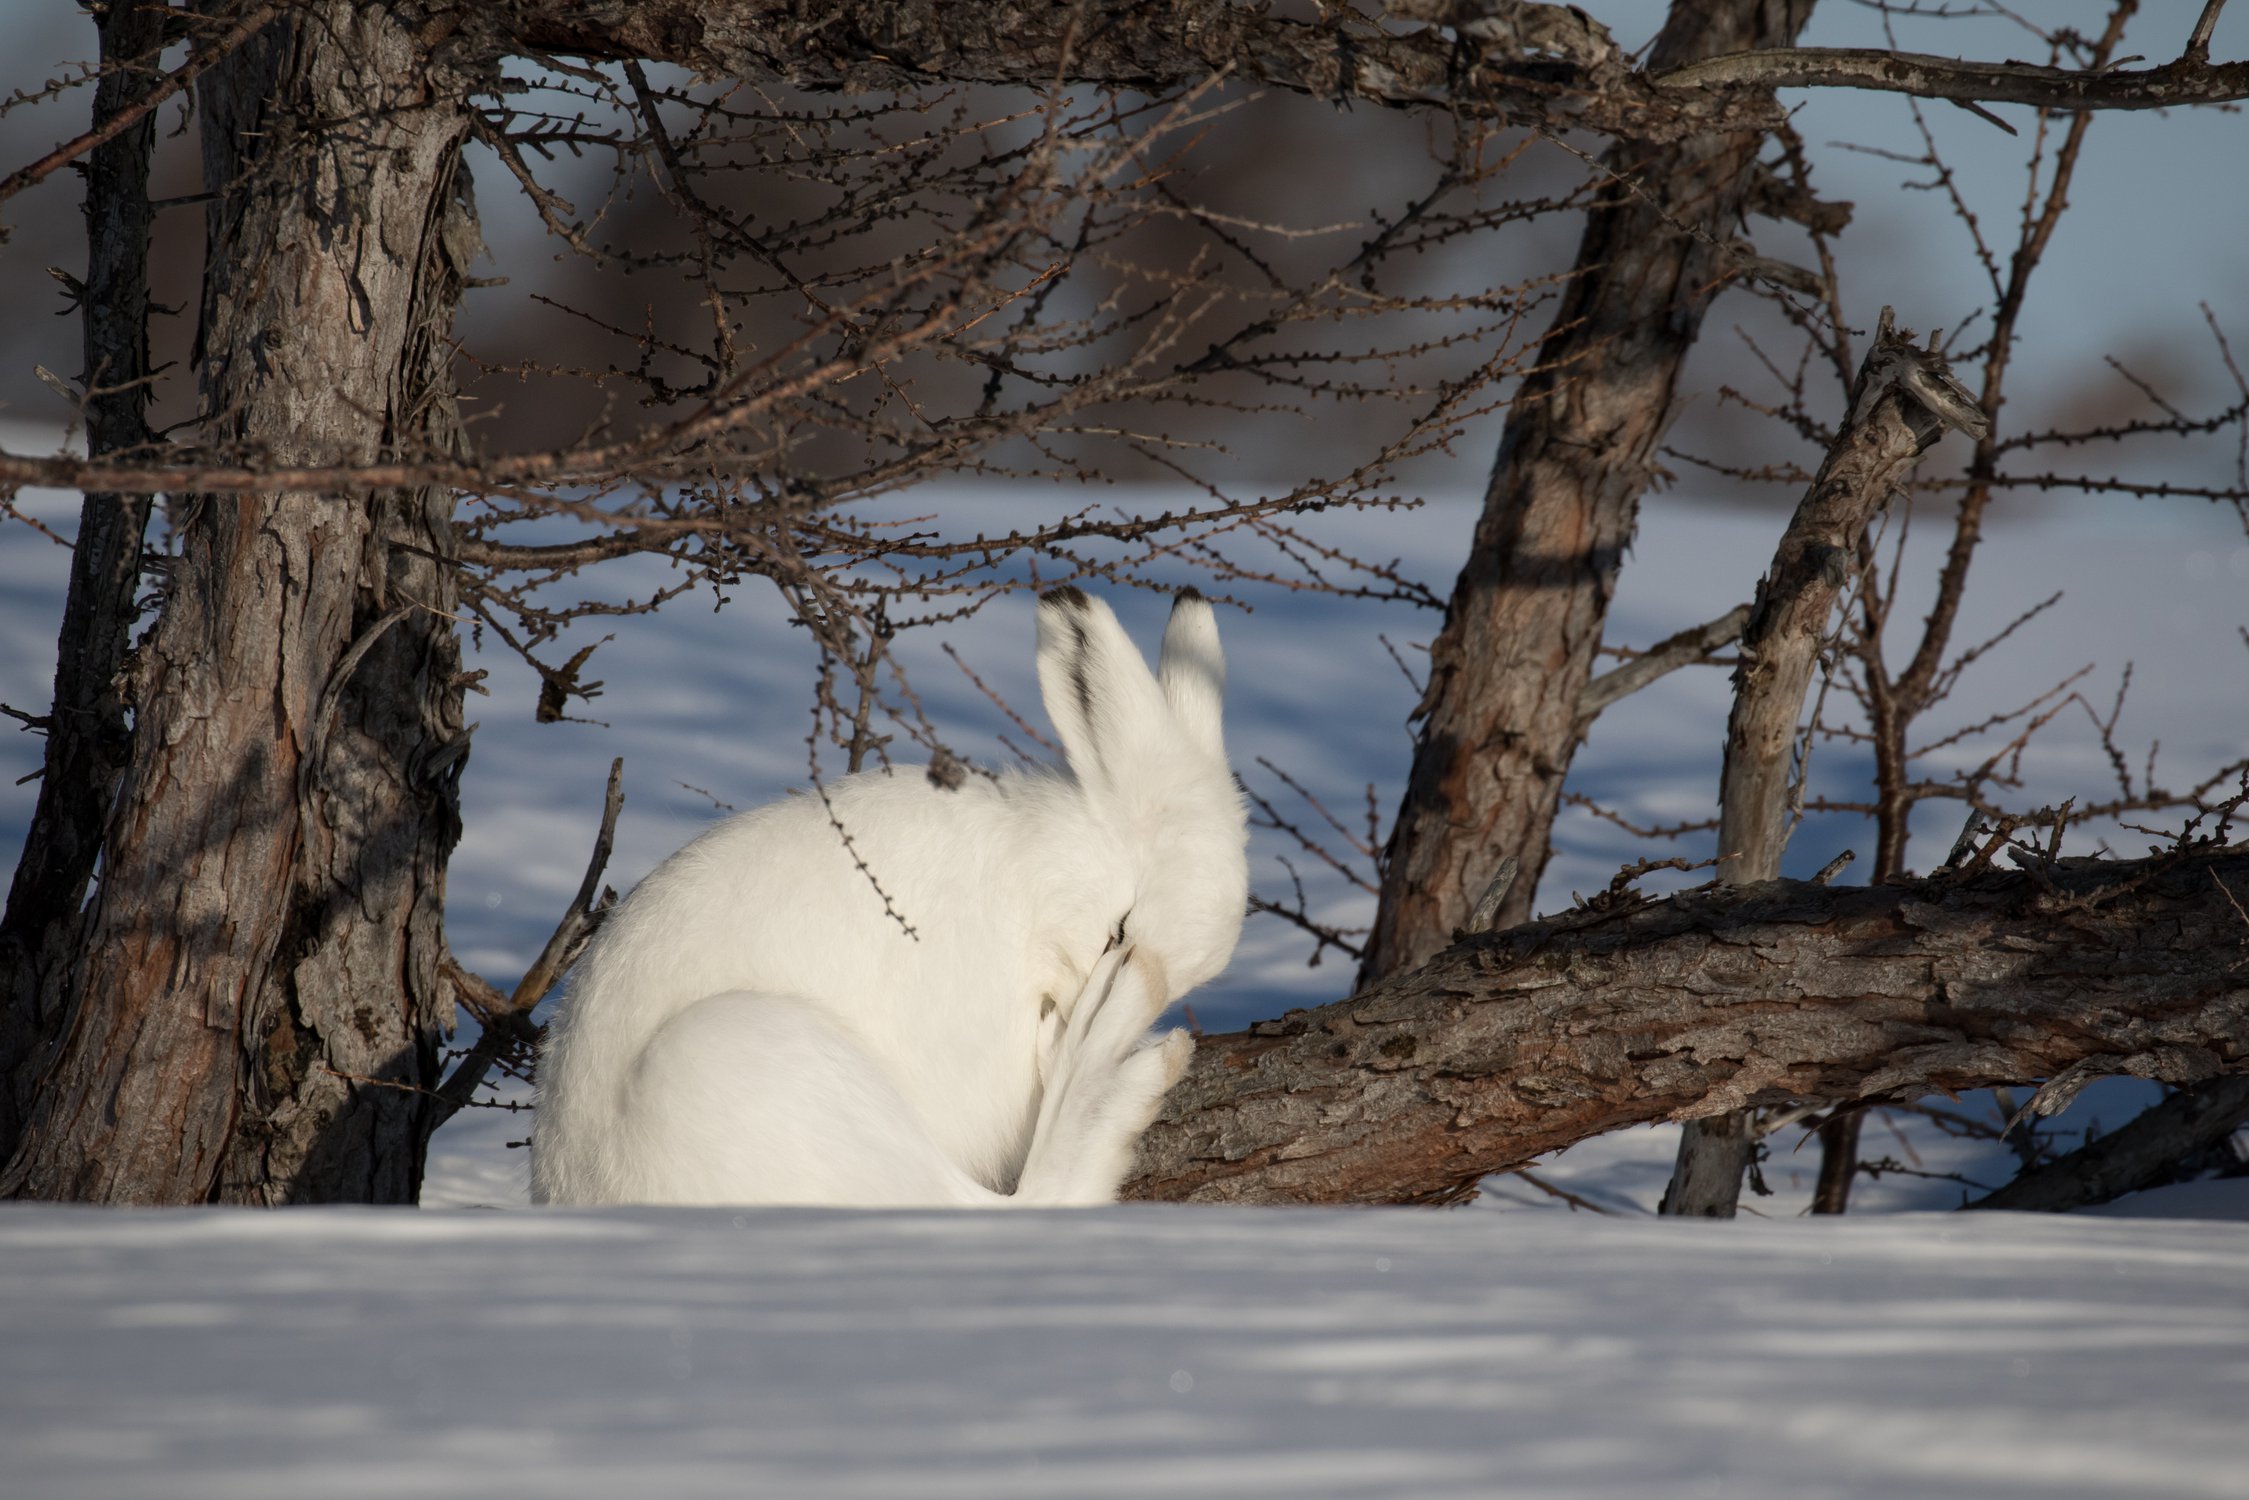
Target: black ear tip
column 1068, row 596
column 1186, row 595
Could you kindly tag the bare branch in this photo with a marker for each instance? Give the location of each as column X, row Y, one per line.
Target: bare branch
column 1483, row 62
column 1905, row 399
column 1661, row 660
column 506, row 1019
column 2132, row 1157
column 114, row 124
column 2187, row 81
column 1342, row 56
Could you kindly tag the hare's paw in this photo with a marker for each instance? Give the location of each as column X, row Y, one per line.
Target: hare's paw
column 1122, row 1000
column 1144, row 1078
column 1178, row 1048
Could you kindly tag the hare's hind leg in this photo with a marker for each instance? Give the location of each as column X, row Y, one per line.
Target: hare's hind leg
column 1105, row 1088
column 755, row 1098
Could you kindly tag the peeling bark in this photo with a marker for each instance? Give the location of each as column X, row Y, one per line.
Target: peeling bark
column 1513, row 1044
column 267, row 926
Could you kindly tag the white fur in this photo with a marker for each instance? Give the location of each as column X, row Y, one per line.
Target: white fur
column 751, row 1026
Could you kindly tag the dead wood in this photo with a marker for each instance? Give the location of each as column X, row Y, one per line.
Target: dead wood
column 2138, row 1155
column 1509, row 1045
column 1905, row 399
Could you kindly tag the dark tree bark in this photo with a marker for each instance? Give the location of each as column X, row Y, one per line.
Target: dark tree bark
column 2140, row 1154
column 267, row 928
column 1501, row 717
column 88, row 739
column 1513, row 1044
column 1546, row 65
column 1839, row 1162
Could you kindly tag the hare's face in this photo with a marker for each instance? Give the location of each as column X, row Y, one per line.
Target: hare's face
column 1147, row 752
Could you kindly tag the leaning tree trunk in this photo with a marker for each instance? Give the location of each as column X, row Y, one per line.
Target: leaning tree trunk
column 266, row 934
column 1500, row 720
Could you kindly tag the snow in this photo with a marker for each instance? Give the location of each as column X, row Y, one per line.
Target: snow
column 1129, row 1351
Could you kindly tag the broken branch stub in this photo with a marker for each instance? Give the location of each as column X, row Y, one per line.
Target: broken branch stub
column 1905, row 400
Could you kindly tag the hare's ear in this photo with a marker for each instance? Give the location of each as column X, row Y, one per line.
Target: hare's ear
column 1096, row 688
column 1193, row 673
column 1064, row 684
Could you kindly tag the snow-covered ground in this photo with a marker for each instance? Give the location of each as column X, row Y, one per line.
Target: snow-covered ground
column 1131, row 1352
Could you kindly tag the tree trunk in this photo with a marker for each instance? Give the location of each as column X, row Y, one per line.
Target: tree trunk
column 1500, row 720
column 1903, row 401
column 88, row 739
column 267, row 927
column 1839, row 1162
column 1706, row 1175
column 1513, row 1044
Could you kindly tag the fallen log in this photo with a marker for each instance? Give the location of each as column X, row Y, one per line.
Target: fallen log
column 1509, row 1045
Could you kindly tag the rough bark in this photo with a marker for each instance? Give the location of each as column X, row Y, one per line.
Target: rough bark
column 1545, row 66
column 2139, row 1155
column 267, row 926
column 88, row 739
column 1512, row 1044
column 1891, row 422
column 2188, row 80
column 1508, row 671
column 1839, row 1162
column 1539, row 65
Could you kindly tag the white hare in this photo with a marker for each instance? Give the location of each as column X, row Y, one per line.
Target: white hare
column 752, row 1026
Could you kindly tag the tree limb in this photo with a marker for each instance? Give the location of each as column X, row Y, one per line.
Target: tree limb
column 2133, row 1156
column 2186, row 81
column 1343, row 56
column 506, row 1019
column 1660, row 660
column 1904, row 400
column 1501, row 715
column 1510, row 1045
column 1483, row 60
column 89, row 727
